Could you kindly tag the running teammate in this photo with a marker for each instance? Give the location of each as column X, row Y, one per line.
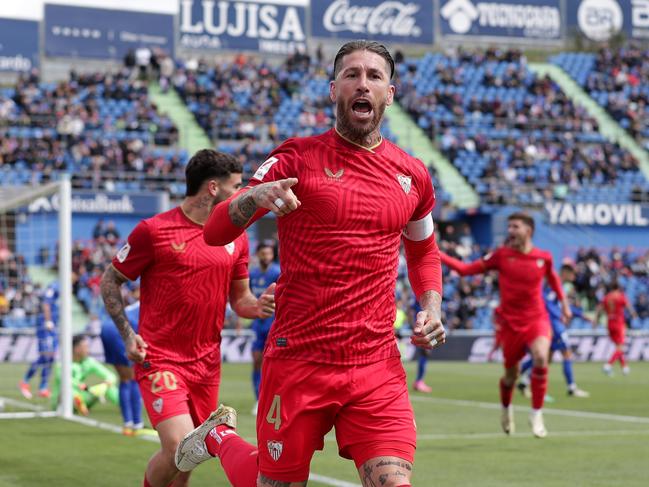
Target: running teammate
column 613, row 304
column 522, row 317
column 183, row 292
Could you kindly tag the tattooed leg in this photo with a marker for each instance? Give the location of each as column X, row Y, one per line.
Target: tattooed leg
column 263, row 481
column 385, row 472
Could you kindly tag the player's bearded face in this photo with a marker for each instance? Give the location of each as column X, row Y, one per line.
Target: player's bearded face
column 517, row 234
column 361, row 92
column 227, row 187
column 349, row 123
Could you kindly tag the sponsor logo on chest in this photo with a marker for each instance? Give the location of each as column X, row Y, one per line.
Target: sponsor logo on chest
column 334, row 176
column 179, row 247
column 405, row 182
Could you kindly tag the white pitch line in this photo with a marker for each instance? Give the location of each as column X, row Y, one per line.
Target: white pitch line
column 558, row 412
column 29, row 415
column 22, row 404
column 117, row 429
column 564, row 434
column 314, row 477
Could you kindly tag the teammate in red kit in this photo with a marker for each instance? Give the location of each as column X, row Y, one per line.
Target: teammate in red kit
column 344, row 201
column 613, row 304
column 183, row 292
column 522, row 317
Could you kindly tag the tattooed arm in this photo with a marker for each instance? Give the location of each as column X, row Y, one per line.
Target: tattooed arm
column 230, row 218
column 111, row 293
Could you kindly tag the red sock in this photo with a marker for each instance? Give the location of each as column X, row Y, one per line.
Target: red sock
column 539, row 386
column 216, row 436
column 238, row 457
column 622, row 359
column 239, row 460
column 614, row 357
column 505, row 394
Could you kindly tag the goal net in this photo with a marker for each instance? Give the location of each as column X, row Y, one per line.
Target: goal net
column 35, row 300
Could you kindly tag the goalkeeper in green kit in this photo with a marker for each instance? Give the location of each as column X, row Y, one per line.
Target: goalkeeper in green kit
column 83, row 367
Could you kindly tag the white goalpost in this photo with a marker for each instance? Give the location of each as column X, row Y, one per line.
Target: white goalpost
column 20, row 208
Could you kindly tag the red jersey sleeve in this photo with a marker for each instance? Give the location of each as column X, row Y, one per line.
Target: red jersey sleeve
column 624, row 302
column 553, row 278
column 491, row 261
column 464, row 268
column 426, row 195
column 136, row 254
column 240, row 268
column 281, row 164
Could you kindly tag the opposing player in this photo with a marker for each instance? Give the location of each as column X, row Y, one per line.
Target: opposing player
column 183, row 292
column 613, row 304
column 560, row 342
column 130, row 399
column 344, row 201
column 262, row 276
column 522, row 317
column 48, row 340
column 84, row 396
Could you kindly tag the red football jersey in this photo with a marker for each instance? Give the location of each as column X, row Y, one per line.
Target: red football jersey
column 339, row 251
column 614, row 304
column 183, row 291
column 520, row 279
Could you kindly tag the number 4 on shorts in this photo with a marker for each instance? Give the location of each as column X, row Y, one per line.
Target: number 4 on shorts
column 274, row 415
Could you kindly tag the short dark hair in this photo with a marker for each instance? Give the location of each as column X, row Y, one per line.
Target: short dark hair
column 209, row 164
column 363, row 45
column 267, row 243
column 523, row 217
column 77, row 339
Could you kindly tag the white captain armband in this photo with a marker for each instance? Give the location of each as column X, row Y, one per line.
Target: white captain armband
column 418, row 230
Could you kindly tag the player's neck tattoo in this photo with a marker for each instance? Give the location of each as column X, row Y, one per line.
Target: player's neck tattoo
column 368, row 142
column 198, row 208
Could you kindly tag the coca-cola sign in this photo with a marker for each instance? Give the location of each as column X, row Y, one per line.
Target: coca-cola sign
column 390, row 20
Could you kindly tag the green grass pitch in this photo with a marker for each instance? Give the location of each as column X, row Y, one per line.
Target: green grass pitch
column 599, row 441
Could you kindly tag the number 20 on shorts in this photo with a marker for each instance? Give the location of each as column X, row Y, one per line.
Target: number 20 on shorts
column 274, row 415
column 163, row 380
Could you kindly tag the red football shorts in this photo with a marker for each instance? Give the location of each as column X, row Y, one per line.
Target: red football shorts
column 516, row 342
column 167, row 394
column 301, row 401
column 617, row 333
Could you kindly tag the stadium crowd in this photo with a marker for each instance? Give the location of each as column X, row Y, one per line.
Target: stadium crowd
column 20, row 298
column 515, row 135
column 101, row 127
column 618, row 79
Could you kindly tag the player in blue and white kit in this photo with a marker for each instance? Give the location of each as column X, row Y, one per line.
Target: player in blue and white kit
column 560, row 342
column 48, row 342
column 260, row 278
column 130, row 399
